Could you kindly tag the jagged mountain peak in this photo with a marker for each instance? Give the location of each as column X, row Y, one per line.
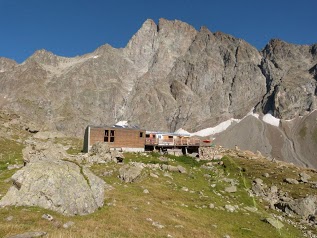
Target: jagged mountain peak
column 45, row 57
column 104, row 49
column 150, row 29
column 226, row 37
column 204, row 29
column 276, row 42
column 142, row 46
column 41, row 54
column 148, row 25
column 7, row 64
column 4, row 59
column 280, row 48
column 165, row 25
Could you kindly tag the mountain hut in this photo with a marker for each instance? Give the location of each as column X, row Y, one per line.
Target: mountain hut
column 121, row 138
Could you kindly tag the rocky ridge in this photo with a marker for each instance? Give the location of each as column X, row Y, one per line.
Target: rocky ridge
column 168, row 76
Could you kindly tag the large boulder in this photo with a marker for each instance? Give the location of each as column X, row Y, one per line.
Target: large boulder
column 117, row 156
column 130, row 173
column 61, row 186
column 44, row 151
column 101, row 153
column 304, row 207
column 100, row 148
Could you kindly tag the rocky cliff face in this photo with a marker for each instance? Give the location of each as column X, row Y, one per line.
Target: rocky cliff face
column 168, row 76
column 290, row 71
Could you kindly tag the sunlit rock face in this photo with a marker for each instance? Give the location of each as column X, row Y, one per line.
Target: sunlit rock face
column 291, row 78
column 169, row 75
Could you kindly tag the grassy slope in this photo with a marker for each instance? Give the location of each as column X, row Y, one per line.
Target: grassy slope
column 127, row 209
column 10, row 153
column 183, row 214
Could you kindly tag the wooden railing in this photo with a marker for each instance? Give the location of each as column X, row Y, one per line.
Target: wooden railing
column 151, row 141
column 169, row 141
column 173, row 142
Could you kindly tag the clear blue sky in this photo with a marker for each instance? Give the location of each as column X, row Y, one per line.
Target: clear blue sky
column 75, row 27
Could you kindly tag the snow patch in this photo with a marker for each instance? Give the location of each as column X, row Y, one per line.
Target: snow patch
column 251, row 113
column 217, row 129
column 222, row 126
column 181, row 131
column 122, row 123
column 95, row 57
column 269, row 119
column 255, row 115
column 289, row 120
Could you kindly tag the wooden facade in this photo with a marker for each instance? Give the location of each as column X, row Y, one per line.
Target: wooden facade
column 138, row 140
column 125, row 139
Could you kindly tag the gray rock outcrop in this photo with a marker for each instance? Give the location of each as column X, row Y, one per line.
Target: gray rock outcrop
column 303, row 207
column 31, row 234
column 100, row 149
column 304, row 177
column 291, row 181
column 274, row 222
column 7, row 64
column 231, row 189
column 61, row 186
column 291, row 78
column 44, row 151
column 129, row 173
column 101, row 153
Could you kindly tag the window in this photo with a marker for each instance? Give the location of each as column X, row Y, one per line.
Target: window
column 147, row 136
column 141, row 134
column 154, row 136
column 170, row 137
column 109, row 136
column 106, row 137
column 112, row 136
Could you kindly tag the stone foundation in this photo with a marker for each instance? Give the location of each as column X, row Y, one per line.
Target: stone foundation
column 210, row 152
